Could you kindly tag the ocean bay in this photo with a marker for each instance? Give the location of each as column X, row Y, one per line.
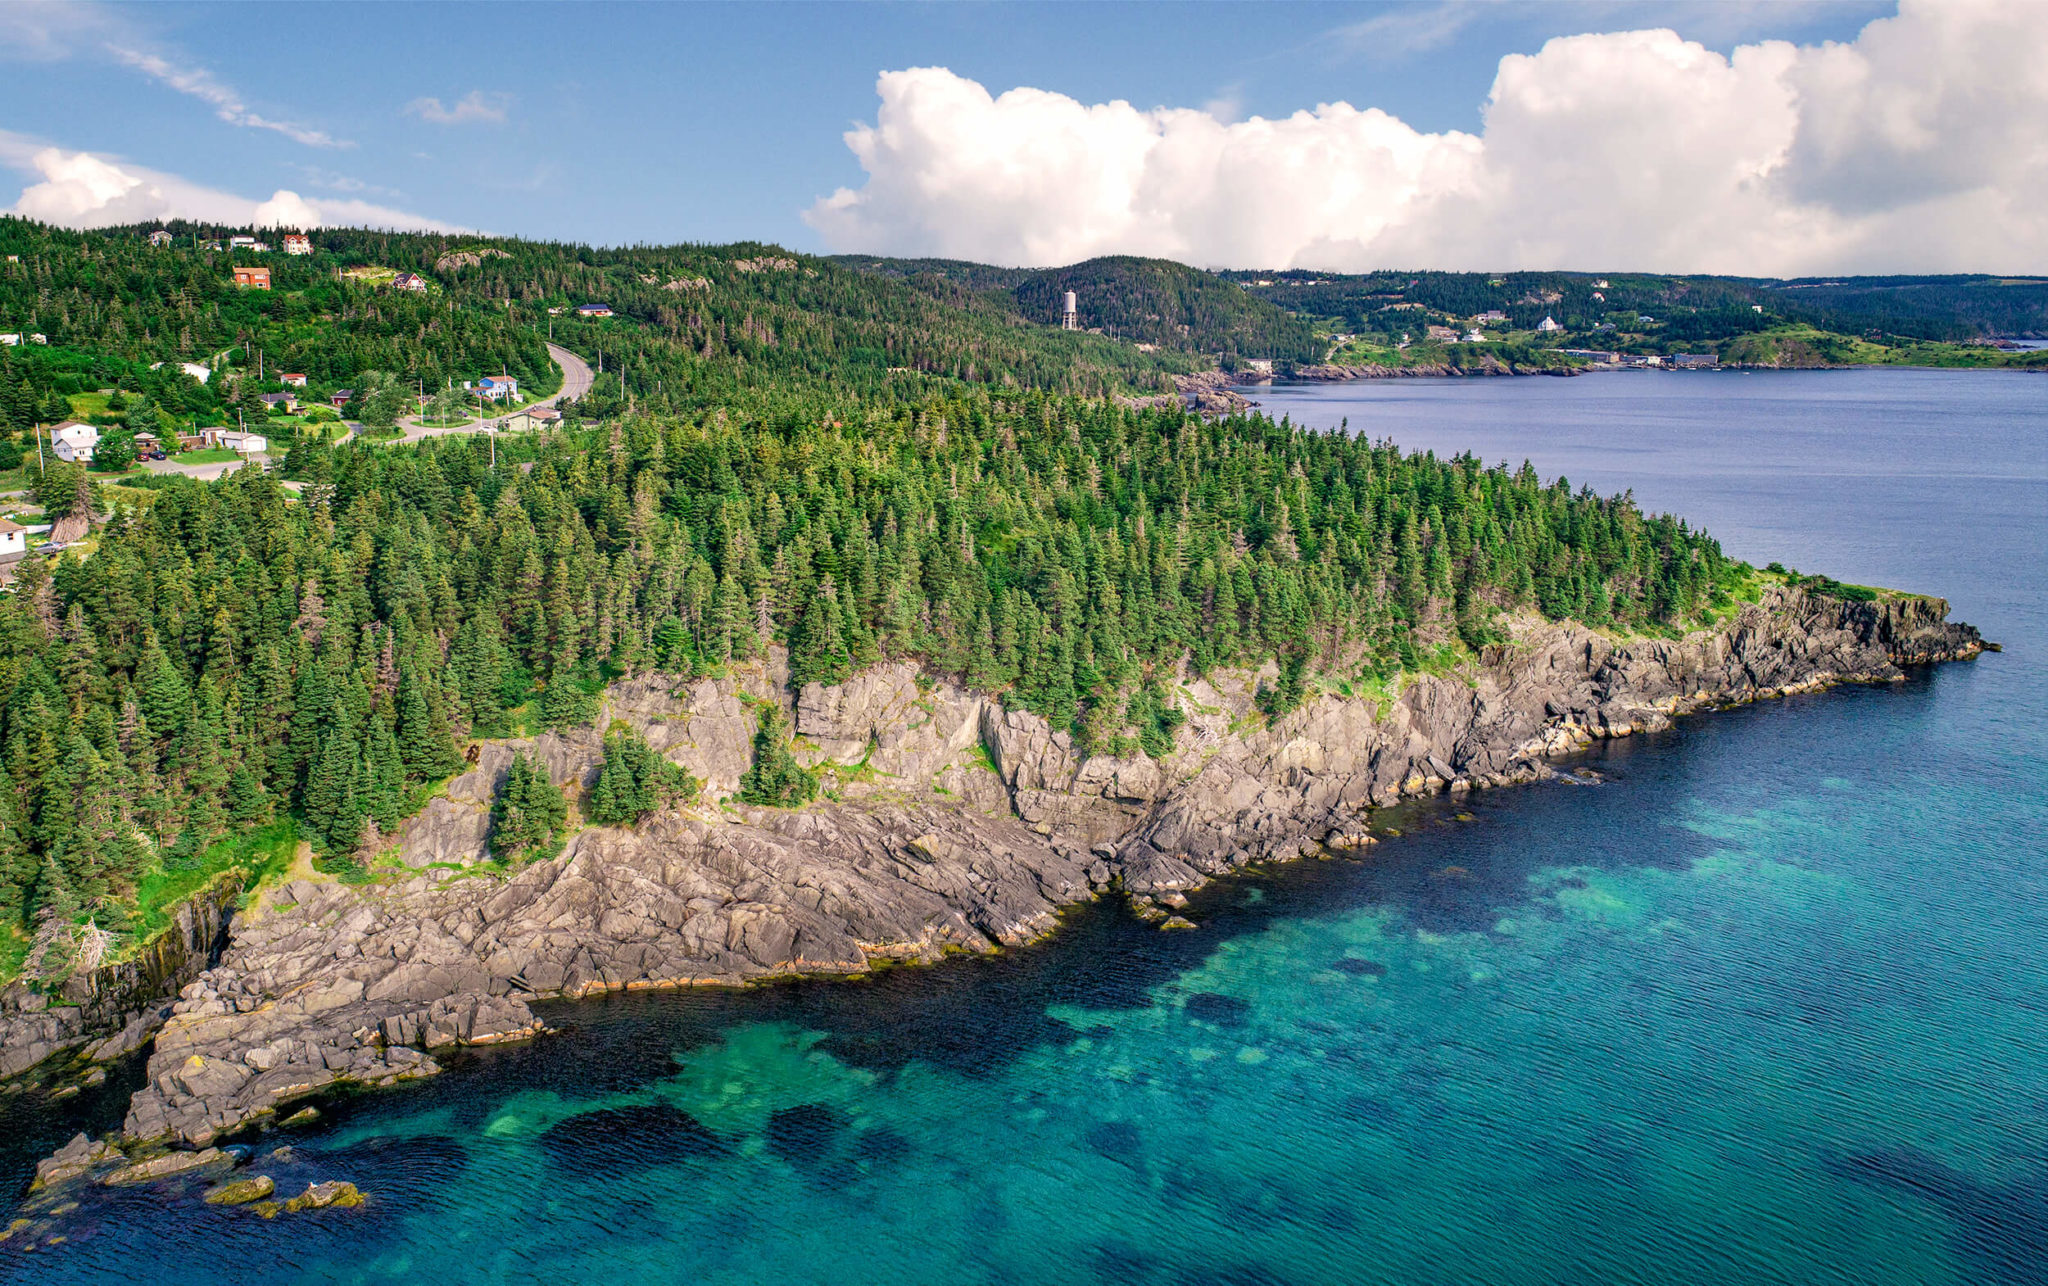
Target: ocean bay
column 1756, row 1001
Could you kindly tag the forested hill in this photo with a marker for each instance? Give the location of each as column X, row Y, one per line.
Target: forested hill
column 690, row 324
column 232, row 653
column 1955, row 308
column 1144, row 301
column 114, row 296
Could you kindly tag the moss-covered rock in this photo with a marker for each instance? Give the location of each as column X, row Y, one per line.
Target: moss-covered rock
column 335, row 1193
column 240, row 1192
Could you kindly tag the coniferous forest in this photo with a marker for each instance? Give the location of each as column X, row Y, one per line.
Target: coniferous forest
column 228, row 655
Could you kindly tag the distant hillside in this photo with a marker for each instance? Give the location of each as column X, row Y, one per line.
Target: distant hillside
column 1692, row 308
column 1143, row 301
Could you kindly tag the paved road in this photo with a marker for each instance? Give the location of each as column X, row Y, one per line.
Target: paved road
column 576, row 381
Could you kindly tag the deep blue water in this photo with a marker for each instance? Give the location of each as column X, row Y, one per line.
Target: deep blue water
column 1766, row 1006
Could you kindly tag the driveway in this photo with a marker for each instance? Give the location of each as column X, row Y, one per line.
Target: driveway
column 576, row 381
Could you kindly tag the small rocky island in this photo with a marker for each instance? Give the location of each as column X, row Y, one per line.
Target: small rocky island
column 954, row 824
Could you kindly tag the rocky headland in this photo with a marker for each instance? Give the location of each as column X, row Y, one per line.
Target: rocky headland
column 1216, row 392
column 951, row 823
column 1486, row 365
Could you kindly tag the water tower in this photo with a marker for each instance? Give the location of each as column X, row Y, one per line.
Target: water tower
column 1070, row 319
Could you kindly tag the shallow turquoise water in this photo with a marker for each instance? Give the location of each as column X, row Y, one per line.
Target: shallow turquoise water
column 1765, row 1004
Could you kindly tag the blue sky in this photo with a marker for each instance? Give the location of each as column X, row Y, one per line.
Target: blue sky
column 664, row 122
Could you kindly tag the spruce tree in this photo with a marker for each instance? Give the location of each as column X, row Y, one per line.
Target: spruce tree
column 635, row 781
column 423, row 741
column 775, row 777
column 160, row 690
column 528, row 813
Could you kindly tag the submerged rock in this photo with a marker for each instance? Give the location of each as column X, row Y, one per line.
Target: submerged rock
column 805, row 1132
column 614, row 1139
column 1359, row 968
column 1209, row 1007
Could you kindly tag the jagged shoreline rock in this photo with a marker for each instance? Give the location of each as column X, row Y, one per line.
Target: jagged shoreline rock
column 958, row 824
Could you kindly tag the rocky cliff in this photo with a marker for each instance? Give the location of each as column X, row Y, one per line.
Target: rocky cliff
column 950, row 823
column 113, row 1010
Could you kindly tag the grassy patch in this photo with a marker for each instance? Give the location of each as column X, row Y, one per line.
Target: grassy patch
column 260, row 855
column 981, row 757
column 14, row 944
column 135, row 497
column 86, row 405
column 206, row 455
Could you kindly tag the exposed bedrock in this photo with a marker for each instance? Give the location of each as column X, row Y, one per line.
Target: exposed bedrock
column 958, row 824
column 113, row 1010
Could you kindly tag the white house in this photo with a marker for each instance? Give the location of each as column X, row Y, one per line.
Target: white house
column 495, row 387
column 1547, row 325
column 293, row 378
column 408, row 281
column 13, row 540
column 593, row 310
column 1474, row 336
column 73, row 442
column 11, row 339
column 246, row 443
column 297, row 245
column 160, row 238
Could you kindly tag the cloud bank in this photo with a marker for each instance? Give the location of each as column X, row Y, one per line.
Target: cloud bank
column 85, row 190
column 1914, row 148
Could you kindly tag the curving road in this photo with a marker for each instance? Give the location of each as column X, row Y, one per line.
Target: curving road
column 576, row 381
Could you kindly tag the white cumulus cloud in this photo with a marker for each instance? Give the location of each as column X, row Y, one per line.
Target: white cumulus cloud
column 86, row 190
column 1914, row 147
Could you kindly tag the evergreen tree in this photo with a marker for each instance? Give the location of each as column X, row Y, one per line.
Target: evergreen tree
column 423, row 741
column 527, row 814
column 160, row 689
column 775, row 778
column 634, row 781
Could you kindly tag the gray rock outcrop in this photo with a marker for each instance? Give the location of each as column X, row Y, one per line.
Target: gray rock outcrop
column 951, row 823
